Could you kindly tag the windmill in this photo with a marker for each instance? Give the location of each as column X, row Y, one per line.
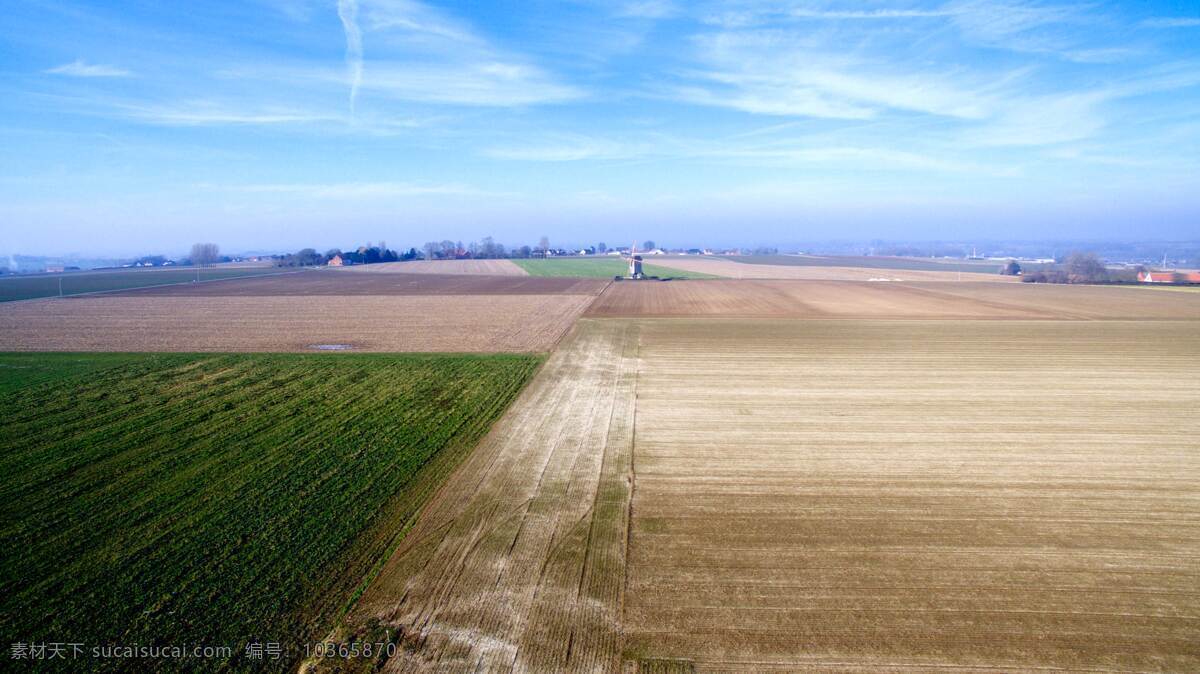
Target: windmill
column 635, row 263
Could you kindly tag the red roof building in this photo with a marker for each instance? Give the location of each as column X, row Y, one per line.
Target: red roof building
column 1169, row 277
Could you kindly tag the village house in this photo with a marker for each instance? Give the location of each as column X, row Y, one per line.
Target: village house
column 1169, row 277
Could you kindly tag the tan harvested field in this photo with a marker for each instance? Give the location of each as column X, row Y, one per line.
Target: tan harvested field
column 518, row 563
column 849, row 495
column 336, row 282
column 739, row 270
column 484, row 267
column 473, row 323
column 848, row 299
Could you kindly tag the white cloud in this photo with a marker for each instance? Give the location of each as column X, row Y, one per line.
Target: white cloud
column 1074, row 115
column 861, row 154
column 565, row 149
column 208, row 113
column 779, row 73
column 81, row 68
column 484, row 83
column 354, row 190
column 1020, row 26
column 995, row 21
column 420, row 54
column 1172, row 22
column 1100, row 55
column 1042, row 120
column 416, row 18
column 648, row 9
column 856, row 157
column 870, row 14
column 766, row 98
column 348, row 13
column 745, row 15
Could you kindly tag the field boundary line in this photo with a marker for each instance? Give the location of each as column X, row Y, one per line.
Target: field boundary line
column 581, row 316
column 637, row 369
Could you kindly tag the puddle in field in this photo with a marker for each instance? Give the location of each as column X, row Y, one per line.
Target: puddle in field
column 331, row 347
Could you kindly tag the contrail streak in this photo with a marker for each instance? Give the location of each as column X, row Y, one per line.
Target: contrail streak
column 348, row 13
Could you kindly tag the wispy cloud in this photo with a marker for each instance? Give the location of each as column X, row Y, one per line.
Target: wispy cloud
column 427, row 56
column 81, row 68
column 353, row 190
column 348, row 13
column 1041, row 120
column 777, row 73
column 1172, row 22
column 755, row 14
column 1032, row 120
column 648, row 9
column 1100, row 55
column 860, row 158
column 567, row 148
column 803, row 153
column 640, row 100
column 418, row 20
column 1017, row 25
column 483, row 84
column 209, row 113
column 870, row 14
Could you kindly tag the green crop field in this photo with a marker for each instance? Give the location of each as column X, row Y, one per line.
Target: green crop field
column 598, row 268
column 75, row 283
column 220, row 499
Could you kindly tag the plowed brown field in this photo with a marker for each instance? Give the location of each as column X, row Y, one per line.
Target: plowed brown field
column 334, row 282
column 485, row 267
column 473, row 323
column 741, row 270
column 845, row 299
column 850, row 495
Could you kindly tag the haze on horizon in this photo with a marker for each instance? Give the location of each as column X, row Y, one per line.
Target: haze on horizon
column 279, row 124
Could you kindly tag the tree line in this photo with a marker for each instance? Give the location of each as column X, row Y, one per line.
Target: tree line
column 368, row 254
column 1081, row 267
column 487, row 248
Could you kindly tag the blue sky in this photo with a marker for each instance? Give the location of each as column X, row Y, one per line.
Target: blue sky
column 138, row 127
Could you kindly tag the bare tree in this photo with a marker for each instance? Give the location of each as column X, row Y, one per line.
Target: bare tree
column 431, row 249
column 544, row 245
column 1085, row 268
column 205, row 254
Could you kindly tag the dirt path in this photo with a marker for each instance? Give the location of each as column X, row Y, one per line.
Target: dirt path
column 519, row 561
